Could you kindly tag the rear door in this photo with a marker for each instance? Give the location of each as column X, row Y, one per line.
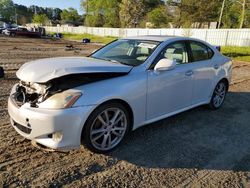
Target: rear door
column 19, row 32
column 203, row 70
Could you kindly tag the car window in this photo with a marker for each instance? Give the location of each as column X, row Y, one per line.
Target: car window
column 120, row 49
column 131, row 52
column 21, row 29
column 200, row 51
column 176, row 52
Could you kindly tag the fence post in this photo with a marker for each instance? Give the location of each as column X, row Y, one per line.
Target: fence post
column 226, row 37
column 206, row 35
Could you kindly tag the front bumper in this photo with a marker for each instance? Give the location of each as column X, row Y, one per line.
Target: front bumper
column 40, row 124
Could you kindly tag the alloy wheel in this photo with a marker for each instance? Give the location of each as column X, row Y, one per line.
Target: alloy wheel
column 219, row 94
column 108, row 129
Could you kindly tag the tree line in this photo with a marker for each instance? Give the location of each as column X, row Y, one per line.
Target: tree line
column 164, row 13
column 136, row 13
column 20, row 14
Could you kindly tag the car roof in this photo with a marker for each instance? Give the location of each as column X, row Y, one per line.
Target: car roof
column 162, row 38
column 159, row 38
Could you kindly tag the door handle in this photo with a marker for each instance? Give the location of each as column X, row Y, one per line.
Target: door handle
column 216, row 66
column 189, row 73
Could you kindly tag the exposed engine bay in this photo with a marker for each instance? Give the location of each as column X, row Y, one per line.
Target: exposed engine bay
column 35, row 93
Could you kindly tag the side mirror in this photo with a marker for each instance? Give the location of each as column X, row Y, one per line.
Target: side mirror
column 165, row 64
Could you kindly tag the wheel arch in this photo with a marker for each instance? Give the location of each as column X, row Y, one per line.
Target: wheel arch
column 123, row 102
column 224, row 80
column 126, row 105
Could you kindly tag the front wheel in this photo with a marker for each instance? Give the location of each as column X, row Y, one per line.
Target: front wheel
column 106, row 127
column 12, row 34
column 219, row 95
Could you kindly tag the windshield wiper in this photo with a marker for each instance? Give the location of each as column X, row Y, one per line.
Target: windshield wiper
column 112, row 60
column 115, row 61
column 98, row 58
column 105, row 59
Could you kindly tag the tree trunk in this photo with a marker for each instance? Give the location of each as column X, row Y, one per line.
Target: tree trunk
column 221, row 13
column 242, row 19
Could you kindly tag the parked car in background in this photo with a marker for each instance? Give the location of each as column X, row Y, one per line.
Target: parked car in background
column 1, row 29
column 4, row 26
column 21, row 31
column 5, row 31
column 96, row 100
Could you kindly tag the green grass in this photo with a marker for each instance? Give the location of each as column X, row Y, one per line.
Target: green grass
column 93, row 38
column 237, row 53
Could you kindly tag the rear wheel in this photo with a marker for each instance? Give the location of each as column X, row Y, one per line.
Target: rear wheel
column 12, row 34
column 106, row 127
column 219, row 95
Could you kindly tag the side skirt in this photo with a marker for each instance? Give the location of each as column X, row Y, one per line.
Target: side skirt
column 169, row 114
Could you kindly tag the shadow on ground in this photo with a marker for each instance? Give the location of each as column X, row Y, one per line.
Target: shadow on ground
column 199, row 138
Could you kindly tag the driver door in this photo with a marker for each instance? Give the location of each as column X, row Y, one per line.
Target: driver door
column 170, row 90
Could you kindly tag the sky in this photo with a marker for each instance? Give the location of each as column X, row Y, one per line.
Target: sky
column 62, row 4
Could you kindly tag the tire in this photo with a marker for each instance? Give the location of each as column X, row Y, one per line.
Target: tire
column 219, row 95
column 106, row 127
column 12, row 34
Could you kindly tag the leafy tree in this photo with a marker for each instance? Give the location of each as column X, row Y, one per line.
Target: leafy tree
column 101, row 13
column 247, row 18
column 191, row 11
column 94, row 20
column 49, row 12
column 24, row 14
column 236, row 14
column 56, row 15
column 7, row 11
column 22, row 20
column 106, row 12
column 131, row 11
column 230, row 16
column 206, row 12
column 41, row 19
column 244, row 5
column 37, row 10
column 152, row 4
column 111, row 13
column 158, row 17
column 94, row 12
column 70, row 15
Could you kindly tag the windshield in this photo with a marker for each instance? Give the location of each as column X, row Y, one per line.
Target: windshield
column 129, row 52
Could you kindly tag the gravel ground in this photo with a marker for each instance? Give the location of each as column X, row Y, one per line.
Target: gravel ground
column 197, row 148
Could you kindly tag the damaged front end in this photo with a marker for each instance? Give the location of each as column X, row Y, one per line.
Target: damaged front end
column 32, row 93
column 36, row 93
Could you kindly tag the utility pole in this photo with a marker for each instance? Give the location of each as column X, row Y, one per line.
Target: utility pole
column 35, row 10
column 15, row 16
column 221, row 13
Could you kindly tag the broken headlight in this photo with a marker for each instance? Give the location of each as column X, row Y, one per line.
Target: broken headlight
column 61, row 100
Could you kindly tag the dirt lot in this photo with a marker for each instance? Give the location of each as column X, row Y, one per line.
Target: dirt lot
column 198, row 148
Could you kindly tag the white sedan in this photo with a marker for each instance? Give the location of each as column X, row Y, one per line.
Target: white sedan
column 96, row 100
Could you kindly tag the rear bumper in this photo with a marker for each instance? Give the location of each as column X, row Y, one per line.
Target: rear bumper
column 40, row 124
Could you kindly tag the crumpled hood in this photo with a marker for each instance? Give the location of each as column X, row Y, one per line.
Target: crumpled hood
column 43, row 70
